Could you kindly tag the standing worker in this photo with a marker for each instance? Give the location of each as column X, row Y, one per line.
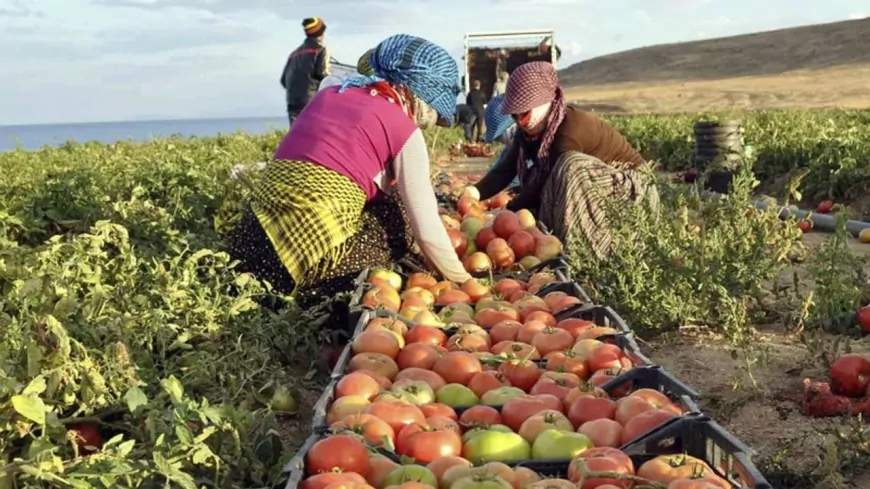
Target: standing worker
column 306, row 67
column 465, row 117
column 476, row 99
column 500, row 86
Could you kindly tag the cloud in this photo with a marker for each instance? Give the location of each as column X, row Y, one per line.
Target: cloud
column 19, row 9
column 858, row 16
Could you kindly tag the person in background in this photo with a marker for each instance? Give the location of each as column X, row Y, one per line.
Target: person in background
column 324, row 208
column 547, row 45
column 476, row 99
column 499, row 87
column 362, row 67
column 579, row 161
column 465, row 116
column 305, row 68
column 500, row 127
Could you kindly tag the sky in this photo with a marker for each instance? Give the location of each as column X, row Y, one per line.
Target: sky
column 110, row 60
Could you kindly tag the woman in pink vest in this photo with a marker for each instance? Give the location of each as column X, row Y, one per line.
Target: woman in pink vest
column 325, row 209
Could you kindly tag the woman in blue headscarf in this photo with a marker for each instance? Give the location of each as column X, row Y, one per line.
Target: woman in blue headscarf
column 499, row 127
column 326, row 208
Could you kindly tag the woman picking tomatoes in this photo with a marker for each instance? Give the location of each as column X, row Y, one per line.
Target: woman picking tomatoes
column 578, row 161
column 324, row 209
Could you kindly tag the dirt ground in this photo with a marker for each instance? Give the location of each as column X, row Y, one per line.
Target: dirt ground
column 752, row 401
column 844, row 87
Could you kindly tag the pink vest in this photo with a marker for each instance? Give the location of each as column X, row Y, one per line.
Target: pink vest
column 353, row 133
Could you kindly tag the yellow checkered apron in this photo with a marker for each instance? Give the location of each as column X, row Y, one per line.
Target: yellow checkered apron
column 309, row 213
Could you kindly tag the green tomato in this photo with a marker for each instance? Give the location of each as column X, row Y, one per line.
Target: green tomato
column 282, row 401
column 456, row 395
column 500, row 395
column 481, row 481
column 496, row 446
column 554, row 443
column 410, row 473
column 415, row 392
column 476, row 430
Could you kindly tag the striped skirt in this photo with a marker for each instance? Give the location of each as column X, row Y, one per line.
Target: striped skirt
column 309, row 231
column 576, row 194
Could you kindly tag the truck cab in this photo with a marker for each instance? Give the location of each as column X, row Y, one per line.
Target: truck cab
column 488, row 53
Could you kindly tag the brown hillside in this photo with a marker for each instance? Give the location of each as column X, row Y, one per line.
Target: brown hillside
column 811, row 47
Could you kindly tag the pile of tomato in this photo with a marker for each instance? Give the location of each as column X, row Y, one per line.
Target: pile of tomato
column 488, row 385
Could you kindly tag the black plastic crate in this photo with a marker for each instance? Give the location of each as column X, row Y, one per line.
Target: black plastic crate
column 697, row 436
column 694, row 434
column 600, row 315
column 644, row 377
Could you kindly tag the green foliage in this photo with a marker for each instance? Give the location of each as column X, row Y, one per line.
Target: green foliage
column 832, row 144
column 697, row 261
column 119, row 311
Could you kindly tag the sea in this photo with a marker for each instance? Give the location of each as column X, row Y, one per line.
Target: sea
column 31, row 137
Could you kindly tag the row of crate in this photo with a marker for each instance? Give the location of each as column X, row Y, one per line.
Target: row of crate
column 693, row 433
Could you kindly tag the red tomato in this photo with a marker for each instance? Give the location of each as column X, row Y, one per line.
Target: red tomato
column 88, row 437
column 589, row 408
column 404, row 435
column 552, row 339
column 430, row 445
column 485, row 381
column 575, row 326
column 414, row 373
column 371, row 428
column 357, row 384
column 438, row 409
column 607, row 356
column 567, row 361
column 419, row 355
column 326, row 479
column 523, row 374
column 480, row 416
column 457, row 367
column 805, row 225
column 591, row 461
column 345, row 452
column 644, row 423
column 505, row 331
column 558, row 387
column 825, row 207
column 521, row 408
column 425, row 334
column 862, row 317
column 444, row 423
column 850, row 375
column 396, row 414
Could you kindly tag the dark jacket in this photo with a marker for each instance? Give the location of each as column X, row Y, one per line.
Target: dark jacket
column 464, row 114
column 476, row 99
column 306, row 67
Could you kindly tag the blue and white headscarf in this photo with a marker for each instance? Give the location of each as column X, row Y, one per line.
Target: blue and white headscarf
column 496, row 122
column 424, row 67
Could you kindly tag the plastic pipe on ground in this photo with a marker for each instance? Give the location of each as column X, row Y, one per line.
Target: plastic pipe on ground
column 821, row 222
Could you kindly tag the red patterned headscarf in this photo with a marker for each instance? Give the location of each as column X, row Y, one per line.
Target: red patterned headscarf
column 532, row 85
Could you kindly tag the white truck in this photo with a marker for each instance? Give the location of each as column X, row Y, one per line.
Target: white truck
column 488, row 53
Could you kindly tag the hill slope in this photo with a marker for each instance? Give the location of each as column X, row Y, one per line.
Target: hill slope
column 813, row 47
